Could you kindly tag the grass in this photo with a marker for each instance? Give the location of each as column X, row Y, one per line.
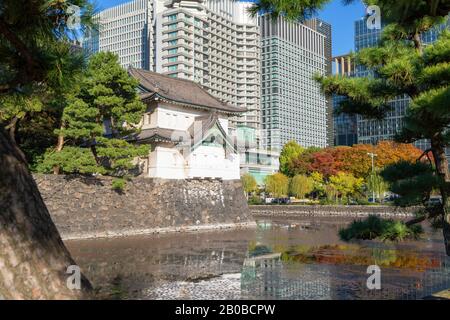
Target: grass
column 374, row 227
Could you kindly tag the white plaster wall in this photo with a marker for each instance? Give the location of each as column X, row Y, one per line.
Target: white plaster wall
column 204, row 162
column 167, row 116
column 209, row 161
column 166, row 163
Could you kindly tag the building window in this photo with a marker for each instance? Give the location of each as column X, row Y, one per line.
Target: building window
column 172, row 51
column 173, row 59
column 172, row 17
column 173, row 42
column 173, row 68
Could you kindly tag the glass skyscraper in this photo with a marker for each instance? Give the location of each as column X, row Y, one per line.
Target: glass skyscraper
column 126, row 31
column 292, row 104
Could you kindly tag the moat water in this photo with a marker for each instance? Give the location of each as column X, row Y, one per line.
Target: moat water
column 286, row 259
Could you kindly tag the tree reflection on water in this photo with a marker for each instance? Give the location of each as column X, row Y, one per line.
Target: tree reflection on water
column 338, row 271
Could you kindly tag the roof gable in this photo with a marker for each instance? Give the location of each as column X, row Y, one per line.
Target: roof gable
column 204, row 126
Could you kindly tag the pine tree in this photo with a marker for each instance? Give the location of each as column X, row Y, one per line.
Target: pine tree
column 33, row 257
column 107, row 96
column 423, row 74
column 401, row 66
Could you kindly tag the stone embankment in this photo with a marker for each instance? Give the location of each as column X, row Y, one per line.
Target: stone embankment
column 355, row 211
column 88, row 207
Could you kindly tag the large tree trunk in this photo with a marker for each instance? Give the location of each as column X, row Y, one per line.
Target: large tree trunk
column 33, row 258
column 441, row 163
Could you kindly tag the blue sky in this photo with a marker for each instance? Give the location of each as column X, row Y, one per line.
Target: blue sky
column 339, row 16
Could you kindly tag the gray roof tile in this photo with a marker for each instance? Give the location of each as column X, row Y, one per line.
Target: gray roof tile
column 180, row 90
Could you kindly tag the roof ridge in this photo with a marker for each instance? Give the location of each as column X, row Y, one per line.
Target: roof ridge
column 185, row 80
column 181, row 90
column 164, row 75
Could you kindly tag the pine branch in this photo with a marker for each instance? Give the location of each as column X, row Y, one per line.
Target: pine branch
column 24, row 52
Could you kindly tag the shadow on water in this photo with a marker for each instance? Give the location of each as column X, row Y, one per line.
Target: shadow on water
column 302, row 259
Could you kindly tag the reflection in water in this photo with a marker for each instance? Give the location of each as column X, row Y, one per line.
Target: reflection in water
column 337, row 272
column 301, row 259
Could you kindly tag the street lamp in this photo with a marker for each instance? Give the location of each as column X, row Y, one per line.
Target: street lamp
column 372, row 155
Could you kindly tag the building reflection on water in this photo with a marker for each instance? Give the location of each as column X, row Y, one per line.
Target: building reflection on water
column 267, row 276
column 279, row 260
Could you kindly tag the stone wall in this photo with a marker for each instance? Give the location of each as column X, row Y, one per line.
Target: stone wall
column 293, row 211
column 88, row 207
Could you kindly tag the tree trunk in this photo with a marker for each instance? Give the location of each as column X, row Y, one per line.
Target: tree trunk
column 33, row 258
column 12, row 129
column 59, row 147
column 418, row 43
column 441, row 163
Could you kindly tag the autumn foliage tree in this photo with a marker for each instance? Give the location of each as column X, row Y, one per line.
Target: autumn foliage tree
column 277, row 185
column 352, row 160
column 325, row 162
column 346, row 185
column 248, row 183
column 291, row 150
column 355, row 160
column 301, row 185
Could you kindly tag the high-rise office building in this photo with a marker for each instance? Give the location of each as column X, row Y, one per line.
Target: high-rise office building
column 345, row 125
column 215, row 43
column 372, row 131
column 325, row 29
column 292, row 104
column 212, row 42
column 125, row 30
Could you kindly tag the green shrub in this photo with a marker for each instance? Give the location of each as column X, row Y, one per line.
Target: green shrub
column 384, row 229
column 363, row 201
column 398, row 231
column 326, row 201
column 119, row 184
column 255, row 200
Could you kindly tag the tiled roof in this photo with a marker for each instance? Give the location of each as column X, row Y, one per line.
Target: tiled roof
column 180, row 90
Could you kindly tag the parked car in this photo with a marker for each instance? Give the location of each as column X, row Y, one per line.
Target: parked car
column 282, row 200
column 435, row 200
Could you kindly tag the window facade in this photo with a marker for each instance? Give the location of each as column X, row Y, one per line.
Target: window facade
column 292, row 105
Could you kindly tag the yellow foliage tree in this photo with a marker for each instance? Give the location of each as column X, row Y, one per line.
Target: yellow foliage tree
column 277, row 185
column 248, row 183
column 301, row 185
column 346, row 184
